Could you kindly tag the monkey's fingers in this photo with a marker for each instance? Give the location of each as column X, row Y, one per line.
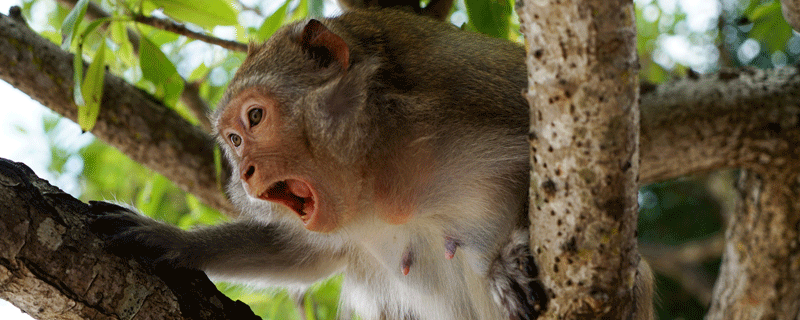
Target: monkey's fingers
column 131, row 235
column 108, row 219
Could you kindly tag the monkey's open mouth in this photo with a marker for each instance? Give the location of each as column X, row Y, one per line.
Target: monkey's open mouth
column 295, row 194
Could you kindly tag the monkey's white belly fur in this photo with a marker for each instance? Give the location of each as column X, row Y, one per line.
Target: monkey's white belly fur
column 434, row 288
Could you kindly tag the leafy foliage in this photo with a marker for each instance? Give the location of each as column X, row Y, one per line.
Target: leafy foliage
column 747, row 32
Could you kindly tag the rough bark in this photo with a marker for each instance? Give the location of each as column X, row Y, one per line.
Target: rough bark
column 583, row 92
column 130, row 119
column 760, row 269
column 52, row 267
column 746, row 118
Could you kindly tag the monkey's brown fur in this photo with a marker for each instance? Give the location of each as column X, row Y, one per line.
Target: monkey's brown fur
column 388, row 146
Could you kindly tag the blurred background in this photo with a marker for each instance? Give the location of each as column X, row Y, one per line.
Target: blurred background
column 680, row 220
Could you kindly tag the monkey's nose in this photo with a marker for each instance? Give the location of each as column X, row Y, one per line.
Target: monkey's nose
column 247, row 170
column 249, row 173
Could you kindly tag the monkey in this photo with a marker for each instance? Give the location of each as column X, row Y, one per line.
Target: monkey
column 379, row 144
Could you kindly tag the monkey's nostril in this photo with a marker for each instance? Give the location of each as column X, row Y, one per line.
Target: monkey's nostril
column 250, row 171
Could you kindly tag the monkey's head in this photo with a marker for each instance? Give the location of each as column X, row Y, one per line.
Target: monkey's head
column 295, row 127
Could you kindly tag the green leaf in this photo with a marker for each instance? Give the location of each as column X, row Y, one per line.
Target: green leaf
column 765, row 10
column 92, row 90
column 206, row 13
column 157, row 36
column 302, row 10
column 199, row 73
column 271, row 24
column 769, row 27
column 71, row 22
column 119, row 33
column 489, row 17
column 157, row 68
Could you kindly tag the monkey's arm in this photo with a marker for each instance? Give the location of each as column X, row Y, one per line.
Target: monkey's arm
column 243, row 250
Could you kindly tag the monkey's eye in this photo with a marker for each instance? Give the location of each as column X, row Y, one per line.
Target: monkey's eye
column 235, row 139
column 255, row 116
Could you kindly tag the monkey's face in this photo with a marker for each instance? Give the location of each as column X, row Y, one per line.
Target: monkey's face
column 274, row 162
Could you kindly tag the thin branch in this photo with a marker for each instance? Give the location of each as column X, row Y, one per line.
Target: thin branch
column 181, row 29
column 692, row 253
column 256, row 9
column 682, row 264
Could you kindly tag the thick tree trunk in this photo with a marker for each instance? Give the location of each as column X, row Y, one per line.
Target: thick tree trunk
column 52, row 267
column 760, row 273
column 583, row 90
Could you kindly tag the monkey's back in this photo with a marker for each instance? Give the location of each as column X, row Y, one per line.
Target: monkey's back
column 474, row 79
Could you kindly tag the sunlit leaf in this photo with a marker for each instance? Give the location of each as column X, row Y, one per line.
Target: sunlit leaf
column 157, row 36
column 489, row 17
column 301, row 11
column 273, row 22
column 119, row 33
column 92, row 90
column 157, row 68
column 199, row 73
column 71, row 22
column 206, row 13
column 769, row 27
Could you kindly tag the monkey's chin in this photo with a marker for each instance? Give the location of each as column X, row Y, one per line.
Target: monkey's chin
column 296, row 195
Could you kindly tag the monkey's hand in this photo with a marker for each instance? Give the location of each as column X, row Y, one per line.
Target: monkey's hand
column 514, row 280
column 152, row 243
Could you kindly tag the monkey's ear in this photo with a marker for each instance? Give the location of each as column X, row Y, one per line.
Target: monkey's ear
column 324, row 46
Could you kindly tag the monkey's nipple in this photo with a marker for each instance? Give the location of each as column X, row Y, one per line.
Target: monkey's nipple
column 406, row 261
column 450, row 246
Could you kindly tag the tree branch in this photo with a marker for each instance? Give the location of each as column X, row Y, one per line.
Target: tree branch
column 584, row 137
column 130, row 119
column 761, row 263
column 47, row 251
column 682, row 263
column 177, row 28
column 746, row 118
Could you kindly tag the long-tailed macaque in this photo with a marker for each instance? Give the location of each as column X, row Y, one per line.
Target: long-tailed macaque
column 380, row 144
